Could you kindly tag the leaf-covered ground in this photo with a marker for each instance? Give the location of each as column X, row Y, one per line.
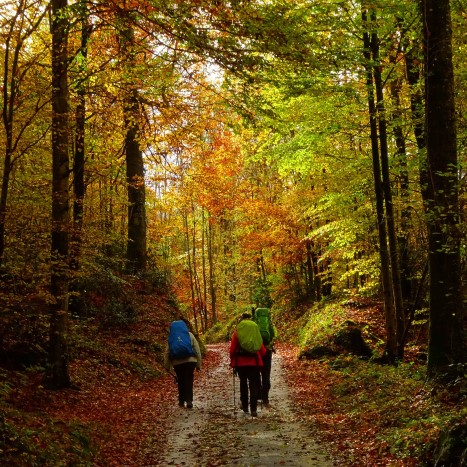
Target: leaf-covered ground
column 216, row 432
column 123, row 411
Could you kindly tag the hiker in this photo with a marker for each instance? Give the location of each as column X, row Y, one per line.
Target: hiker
column 184, row 355
column 247, row 361
column 262, row 317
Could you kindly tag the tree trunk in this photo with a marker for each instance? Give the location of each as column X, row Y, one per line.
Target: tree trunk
column 190, row 267
column 387, row 191
column 212, row 277
column 402, row 180
column 7, row 118
column 136, row 242
column 58, row 372
column 446, row 334
column 204, row 267
column 391, row 337
column 311, row 290
column 79, row 186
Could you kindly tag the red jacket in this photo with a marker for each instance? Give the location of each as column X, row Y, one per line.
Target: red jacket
column 237, row 359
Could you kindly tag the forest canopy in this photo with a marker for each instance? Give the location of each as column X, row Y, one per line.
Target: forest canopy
column 242, row 152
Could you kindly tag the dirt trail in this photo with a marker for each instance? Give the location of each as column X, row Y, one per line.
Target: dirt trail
column 213, row 433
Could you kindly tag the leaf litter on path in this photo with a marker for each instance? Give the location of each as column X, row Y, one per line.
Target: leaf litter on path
column 216, row 432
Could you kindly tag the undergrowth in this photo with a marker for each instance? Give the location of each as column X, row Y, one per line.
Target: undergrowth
column 379, row 414
column 109, row 342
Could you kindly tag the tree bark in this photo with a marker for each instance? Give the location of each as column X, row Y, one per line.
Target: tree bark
column 446, row 335
column 212, row 276
column 402, row 178
column 79, row 186
column 136, row 242
column 387, row 192
column 390, row 317
column 58, row 376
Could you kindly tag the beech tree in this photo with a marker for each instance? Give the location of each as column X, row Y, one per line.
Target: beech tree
column 446, row 336
column 79, row 155
column 136, row 243
column 58, row 371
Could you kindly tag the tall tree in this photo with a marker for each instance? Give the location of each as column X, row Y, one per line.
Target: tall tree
column 389, row 306
column 59, row 374
column 446, row 335
column 79, row 185
column 136, row 242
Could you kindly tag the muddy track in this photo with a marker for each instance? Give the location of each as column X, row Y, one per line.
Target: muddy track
column 217, row 433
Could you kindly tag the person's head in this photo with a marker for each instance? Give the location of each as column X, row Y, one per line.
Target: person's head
column 246, row 316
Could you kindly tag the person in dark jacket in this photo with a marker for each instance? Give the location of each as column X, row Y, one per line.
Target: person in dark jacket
column 247, row 366
column 184, row 369
column 265, row 370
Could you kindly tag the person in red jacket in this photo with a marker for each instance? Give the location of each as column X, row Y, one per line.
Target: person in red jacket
column 247, row 366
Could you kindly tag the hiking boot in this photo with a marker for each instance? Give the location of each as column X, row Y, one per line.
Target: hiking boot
column 266, row 404
column 189, row 405
column 181, row 404
column 254, row 414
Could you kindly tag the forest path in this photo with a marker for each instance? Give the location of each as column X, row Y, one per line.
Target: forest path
column 215, row 433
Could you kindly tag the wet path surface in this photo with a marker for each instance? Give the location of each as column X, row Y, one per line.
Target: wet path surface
column 216, row 432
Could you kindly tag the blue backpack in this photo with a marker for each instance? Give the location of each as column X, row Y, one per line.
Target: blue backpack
column 179, row 341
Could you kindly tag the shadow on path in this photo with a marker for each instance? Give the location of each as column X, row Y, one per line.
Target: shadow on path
column 217, row 433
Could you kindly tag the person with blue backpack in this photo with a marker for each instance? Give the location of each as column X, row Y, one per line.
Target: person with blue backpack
column 246, row 352
column 262, row 317
column 184, row 355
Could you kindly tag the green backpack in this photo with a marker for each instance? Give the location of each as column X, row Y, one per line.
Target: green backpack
column 263, row 319
column 249, row 336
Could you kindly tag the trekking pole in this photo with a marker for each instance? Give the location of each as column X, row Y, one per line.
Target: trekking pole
column 234, row 401
column 174, row 376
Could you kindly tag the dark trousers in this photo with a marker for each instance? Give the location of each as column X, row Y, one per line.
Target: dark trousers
column 185, row 375
column 265, row 377
column 249, row 379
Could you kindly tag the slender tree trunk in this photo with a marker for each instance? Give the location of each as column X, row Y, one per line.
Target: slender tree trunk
column 196, row 282
column 136, row 243
column 79, row 186
column 316, row 277
column 190, row 267
column 7, row 119
column 406, row 273
column 405, row 216
column 417, row 106
column 212, row 277
column 389, row 217
column 414, row 70
column 311, row 292
column 391, row 336
column 203, row 259
column 446, row 335
column 395, row 88
column 58, row 372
